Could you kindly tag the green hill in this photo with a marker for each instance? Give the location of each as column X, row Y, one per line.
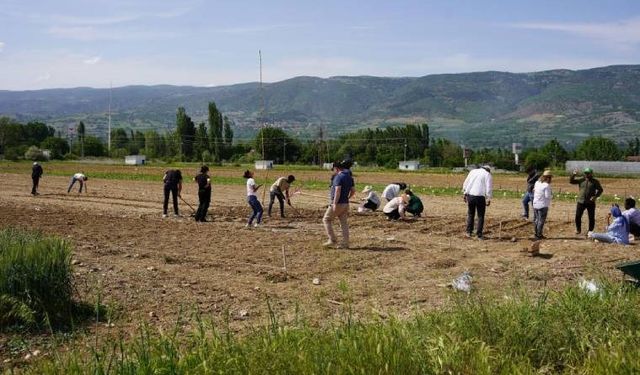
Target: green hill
column 477, row 109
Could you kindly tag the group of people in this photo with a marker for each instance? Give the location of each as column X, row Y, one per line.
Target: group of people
column 37, row 172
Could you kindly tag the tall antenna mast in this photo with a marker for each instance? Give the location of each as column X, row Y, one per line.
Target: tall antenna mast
column 262, row 104
column 109, row 138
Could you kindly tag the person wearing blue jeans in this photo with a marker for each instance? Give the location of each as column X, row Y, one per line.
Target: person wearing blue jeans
column 532, row 177
column 253, row 201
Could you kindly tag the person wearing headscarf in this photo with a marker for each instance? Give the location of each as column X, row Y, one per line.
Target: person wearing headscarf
column 204, row 193
column 253, row 201
column 172, row 185
column 617, row 231
column 36, row 174
column 393, row 190
column 589, row 190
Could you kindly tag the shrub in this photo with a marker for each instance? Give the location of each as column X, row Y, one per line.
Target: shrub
column 34, row 153
column 35, row 279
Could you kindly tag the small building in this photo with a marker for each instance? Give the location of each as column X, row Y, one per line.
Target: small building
column 264, row 164
column 327, row 166
column 409, row 165
column 46, row 154
column 135, row 159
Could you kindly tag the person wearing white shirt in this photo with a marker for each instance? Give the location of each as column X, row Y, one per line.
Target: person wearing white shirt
column 477, row 190
column 633, row 216
column 396, row 207
column 253, row 201
column 81, row 178
column 541, row 201
column 393, row 190
column 371, row 202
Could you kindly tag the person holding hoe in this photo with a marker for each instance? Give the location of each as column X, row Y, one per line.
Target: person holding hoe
column 590, row 190
column 280, row 190
column 172, row 185
column 204, row 193
column 253, row 201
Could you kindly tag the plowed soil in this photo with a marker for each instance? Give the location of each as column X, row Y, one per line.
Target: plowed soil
column 156, row 269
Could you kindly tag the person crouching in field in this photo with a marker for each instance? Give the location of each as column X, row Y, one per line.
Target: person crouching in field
column 617, row 232
column 36, row 174
column 342, row 189
column 252, row 199
column 81, row 178
column 204, row 193
column 395, row 208
column 371, row 202
column 280, row 190
column 393, row 190
column 172, row 184
column 632, row 214
column 541, row 201
column 414, row 205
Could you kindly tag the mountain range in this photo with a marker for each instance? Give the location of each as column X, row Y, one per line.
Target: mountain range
column 478, row 109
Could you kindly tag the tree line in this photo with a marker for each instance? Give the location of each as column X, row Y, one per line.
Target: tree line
column 213, row 142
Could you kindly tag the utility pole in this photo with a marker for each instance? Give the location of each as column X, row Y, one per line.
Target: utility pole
column 405, row 149
column 109, row 135
column 284, row 150
column 264, row 157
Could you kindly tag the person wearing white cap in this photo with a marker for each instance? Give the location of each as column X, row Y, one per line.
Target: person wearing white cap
column 541, row 201
column 36, row 173
column 371, row 202
column 477, row 190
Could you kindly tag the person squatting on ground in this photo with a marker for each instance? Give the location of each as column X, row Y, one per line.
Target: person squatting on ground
column 371, row 202
column 252, row 199
column 395, row 208
column 280, row 190
column 204, row 193
column 617, row 231
column 172, row 184
column 342, row 189
column 542, row 195
column 36, row 174
column 478, row 190
column 589, row 190
column 632, row 214
column 81, row 178
column 414, row 206
column 393, row 190
column 532, row 177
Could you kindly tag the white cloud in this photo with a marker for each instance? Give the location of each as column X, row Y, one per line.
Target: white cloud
column 1, row 46
column 92, row 60
column 88, row 33
column 624, row 34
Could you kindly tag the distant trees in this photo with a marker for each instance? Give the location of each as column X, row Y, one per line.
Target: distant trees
column 598, row 148
column 277, row 145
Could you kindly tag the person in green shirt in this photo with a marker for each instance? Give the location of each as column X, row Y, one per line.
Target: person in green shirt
column 414, row 206
column 589, row 190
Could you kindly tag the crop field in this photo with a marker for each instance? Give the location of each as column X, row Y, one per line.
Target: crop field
column 156, row 270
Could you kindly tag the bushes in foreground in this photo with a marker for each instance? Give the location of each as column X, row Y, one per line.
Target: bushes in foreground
column 570, row 331
column 35, row 279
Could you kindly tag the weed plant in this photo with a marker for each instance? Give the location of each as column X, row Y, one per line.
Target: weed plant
column 35, row 279
column 571, row 331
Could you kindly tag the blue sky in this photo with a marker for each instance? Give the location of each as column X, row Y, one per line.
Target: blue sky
column 65, row 43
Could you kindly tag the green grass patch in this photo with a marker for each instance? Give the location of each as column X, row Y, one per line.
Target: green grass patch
column 36, row 281
column 569, row 331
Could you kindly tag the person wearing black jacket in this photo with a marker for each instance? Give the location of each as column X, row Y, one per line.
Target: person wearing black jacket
column 172, row 184
column 532, row 177
column 204, row 193
column 36, row 173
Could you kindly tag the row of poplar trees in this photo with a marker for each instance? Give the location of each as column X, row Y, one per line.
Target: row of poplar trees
column 204, row 143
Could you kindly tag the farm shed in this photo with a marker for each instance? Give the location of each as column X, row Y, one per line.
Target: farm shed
column 605, row 167
column 409, row 165
column 264, row 164
column 135, row 159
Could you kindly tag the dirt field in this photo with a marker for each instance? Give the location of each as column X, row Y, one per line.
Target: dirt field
column 145, row 264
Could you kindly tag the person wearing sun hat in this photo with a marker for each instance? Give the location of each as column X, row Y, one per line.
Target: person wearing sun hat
column 371, row 202
column 589, row 190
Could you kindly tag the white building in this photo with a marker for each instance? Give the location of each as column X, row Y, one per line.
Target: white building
column 135, row 159
column 409, row 165
column 264, row 164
